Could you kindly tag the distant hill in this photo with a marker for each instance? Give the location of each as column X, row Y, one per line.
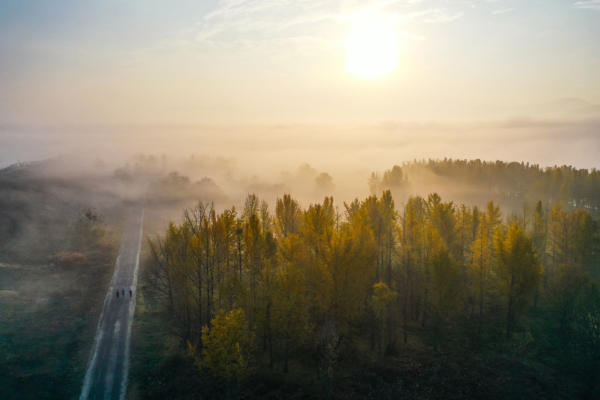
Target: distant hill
column 561, row 106
column 590, row 111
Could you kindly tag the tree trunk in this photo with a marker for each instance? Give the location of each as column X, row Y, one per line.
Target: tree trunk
column 240, row 253
column 208, row 283
column 200, row 301
column 381, row 339
column 436, row 334
column 509, row 317
column 424, row 310
column 426, row 293
column 269, row 336
column 287, row 355
column 472, row 307
column 373, row 334
column 405, row 317
column 481, row 306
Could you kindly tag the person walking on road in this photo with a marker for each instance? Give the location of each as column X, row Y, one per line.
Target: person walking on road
column 123, row 292
column 130, row 293
column 117, row 295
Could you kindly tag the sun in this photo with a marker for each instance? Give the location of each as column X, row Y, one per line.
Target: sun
column 372, row 50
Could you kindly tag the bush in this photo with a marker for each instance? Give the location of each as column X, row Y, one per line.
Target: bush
column 68, row 260
column 89, row 228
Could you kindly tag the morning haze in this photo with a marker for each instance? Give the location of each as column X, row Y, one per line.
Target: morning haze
column 322, row 199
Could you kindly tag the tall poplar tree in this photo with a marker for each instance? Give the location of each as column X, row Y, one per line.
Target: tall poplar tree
column 480, row 266
column 518, row 270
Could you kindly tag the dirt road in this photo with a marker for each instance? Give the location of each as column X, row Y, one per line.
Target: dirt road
column 108, row 366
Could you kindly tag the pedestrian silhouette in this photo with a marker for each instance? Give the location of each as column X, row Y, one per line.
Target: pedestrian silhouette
column 117, row 295
column 123, row 291
column 130, row 293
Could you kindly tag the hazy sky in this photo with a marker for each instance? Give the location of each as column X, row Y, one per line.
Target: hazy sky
column 233, row 76
column 269, row 61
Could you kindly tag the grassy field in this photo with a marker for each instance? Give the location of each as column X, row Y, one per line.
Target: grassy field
column 44, row 339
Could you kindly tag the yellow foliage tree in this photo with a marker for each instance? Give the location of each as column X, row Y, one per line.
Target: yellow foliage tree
column 288, row 216
column 517, row 269
column 226, row 348
column 341, row 261
column 290, row 305
column 445, row 291
column 480, row 265
column 432, row 244
column 411, row 240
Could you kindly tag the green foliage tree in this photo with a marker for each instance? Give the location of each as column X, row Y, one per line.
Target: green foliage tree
column 563, row 292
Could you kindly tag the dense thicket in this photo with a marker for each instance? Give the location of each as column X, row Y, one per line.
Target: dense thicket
column 371, row 272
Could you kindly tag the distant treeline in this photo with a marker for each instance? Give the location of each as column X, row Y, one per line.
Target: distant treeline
column 373, row 272
column 509, row 184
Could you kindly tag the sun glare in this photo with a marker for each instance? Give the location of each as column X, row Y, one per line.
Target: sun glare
column 372, row 50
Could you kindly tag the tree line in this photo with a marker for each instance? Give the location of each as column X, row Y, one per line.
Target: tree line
column 507, row 183
column 373, row 272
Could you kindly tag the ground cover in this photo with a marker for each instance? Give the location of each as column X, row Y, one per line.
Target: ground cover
column 44, row 335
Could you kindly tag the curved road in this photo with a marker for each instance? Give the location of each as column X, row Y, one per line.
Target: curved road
column 108, row 366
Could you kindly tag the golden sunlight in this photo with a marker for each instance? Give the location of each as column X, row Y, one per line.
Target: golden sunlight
column 372, row 50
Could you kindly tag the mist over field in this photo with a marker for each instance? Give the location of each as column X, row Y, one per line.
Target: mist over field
column 243, row 157
column 264, row 150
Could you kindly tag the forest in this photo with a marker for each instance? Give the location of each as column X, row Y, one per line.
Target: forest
column 420, row 297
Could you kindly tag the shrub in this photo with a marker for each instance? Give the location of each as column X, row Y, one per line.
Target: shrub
column 68, row 260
